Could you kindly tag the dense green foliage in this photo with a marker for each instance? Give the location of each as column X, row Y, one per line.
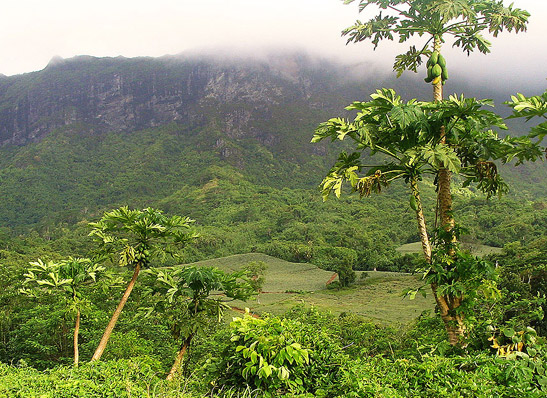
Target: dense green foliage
column 247, row 198
column 329, row 357
column 235, row 212
column 306, row 351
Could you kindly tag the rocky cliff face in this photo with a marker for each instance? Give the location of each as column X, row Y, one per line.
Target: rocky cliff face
column 119, row 94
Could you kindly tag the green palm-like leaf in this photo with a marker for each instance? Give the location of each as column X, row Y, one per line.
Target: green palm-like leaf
column 408, row 134
column 138, row 235
column 466, row 20
column 186, row 294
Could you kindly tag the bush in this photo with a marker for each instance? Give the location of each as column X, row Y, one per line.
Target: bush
column 277, row 356
column 337, row 259
column 122, row 378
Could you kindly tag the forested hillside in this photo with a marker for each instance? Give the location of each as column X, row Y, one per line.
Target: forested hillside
column 226, row 142
column 88, row 133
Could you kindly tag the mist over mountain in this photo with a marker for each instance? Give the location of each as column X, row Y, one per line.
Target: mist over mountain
column 90, row 133
column 239, row 93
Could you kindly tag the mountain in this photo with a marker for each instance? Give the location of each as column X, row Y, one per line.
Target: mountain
column 240, row 96
column 119, row 94
column 213, row 137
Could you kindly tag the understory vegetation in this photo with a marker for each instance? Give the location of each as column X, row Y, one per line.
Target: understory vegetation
column 302, row 350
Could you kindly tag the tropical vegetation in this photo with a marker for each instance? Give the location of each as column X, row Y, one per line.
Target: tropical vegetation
column 191, row 326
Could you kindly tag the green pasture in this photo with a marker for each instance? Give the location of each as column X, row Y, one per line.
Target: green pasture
column 377, row 297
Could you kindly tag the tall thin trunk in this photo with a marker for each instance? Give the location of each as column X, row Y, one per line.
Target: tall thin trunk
column 445, row 201
column 454, row 323
column 178, row 360
column 108, row 331
column 76, row 332
column 420, row 218
column 444, row 193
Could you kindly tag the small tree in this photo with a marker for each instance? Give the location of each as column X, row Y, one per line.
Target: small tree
column 136, row 237
column 337, row 259
column 255, row 270
column 185, row 294
column 66, row 277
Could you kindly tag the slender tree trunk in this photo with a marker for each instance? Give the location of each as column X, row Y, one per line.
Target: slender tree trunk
column 178, row 360
column 453, row 322
column 444, row 193
column 108, row 331
column 76, row 332
column 420, row 218
column 445, row 202
column 454, row 325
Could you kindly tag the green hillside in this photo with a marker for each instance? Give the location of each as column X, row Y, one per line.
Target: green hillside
column 263, row 202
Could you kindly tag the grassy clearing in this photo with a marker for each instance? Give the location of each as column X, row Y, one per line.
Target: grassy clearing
column 475, row 248
column 377, row 297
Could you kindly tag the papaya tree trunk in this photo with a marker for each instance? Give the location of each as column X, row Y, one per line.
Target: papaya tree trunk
column 110, row 327
column 453, row 322
column 178, row 360
column 445, row 201
column 420, row 219
column 76, row 332
column 444, row 193
column 437, row 88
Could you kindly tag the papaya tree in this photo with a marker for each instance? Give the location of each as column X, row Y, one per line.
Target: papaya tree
column 135, row 238
column 432, row 22
column 402, row 141
column 66, row 277
column 464, row 21
column 185, row 293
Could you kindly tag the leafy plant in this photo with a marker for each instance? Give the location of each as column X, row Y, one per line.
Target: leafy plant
column 135, row 237
column 185, row 295
column 255, row 271
column 408, row 138
column 279, row 356
column 66, row 277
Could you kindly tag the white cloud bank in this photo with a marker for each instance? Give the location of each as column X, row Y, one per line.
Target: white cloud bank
column 33, row 31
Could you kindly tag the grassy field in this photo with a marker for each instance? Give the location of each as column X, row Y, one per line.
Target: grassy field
column 377, row 297
column 476, row 249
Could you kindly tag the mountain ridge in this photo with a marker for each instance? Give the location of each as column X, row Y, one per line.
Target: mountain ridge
column 124, row 94
column 99, row 132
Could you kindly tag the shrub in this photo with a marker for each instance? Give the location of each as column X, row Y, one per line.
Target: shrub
column 277, row 356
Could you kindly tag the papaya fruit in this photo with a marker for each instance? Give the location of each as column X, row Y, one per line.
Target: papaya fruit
column 430, row 73
column 437, row 70
column 441, row 61
column 412, row 202
column 437, row 80
column 444, row 74
column 434, row 57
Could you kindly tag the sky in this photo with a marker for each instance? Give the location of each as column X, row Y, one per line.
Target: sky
column 34, row 31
